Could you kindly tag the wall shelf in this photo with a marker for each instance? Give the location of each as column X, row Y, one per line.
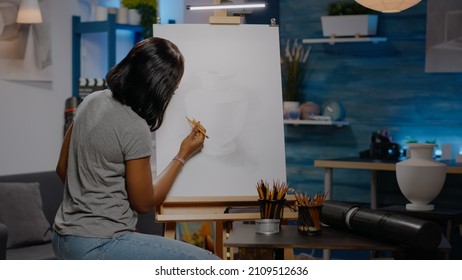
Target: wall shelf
column 344, row 40
column 317, row 122
column 110, row 27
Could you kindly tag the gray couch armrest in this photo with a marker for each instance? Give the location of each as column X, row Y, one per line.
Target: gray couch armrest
column 3, row 240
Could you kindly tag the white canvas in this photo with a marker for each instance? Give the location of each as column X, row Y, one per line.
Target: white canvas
column 232, row 84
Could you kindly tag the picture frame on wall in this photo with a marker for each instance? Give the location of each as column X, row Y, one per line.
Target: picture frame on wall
column 25, row 42
column 444, row 36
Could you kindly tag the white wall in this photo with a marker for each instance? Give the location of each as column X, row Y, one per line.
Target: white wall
column 32, row 113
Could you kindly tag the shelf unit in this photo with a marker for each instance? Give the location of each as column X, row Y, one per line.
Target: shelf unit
column 333, row 40
column 317, row 122
column 110, row 27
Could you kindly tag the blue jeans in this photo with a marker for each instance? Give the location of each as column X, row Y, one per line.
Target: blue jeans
column 130, row 246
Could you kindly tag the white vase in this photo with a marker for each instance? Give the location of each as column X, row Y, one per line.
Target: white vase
column 291, row 110
column 101, row 13
column 420, row 178
column 122, row 15
column 134, row 17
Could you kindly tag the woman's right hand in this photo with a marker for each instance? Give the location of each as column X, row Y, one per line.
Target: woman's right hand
column 192, row 143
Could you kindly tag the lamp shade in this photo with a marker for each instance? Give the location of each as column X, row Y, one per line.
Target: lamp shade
column 29, row 12
column 388, row 6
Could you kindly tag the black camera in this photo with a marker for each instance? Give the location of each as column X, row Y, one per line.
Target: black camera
column 381, row 148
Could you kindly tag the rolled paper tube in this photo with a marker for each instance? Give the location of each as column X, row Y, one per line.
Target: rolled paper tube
column 334, row 213
column 397, row 227
column 394, row 227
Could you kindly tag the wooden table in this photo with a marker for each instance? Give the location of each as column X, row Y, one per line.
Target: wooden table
column 373, row 165
column 220, row 210
column 244, row 236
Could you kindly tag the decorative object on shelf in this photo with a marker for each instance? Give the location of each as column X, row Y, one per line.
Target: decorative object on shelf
column 133, row 17
column 293, row 61
column 349, row 19
column 101, row 13
column 420, row 178
column 334, row 110
column 122, row 15
column 29, row 13
column 142, row 12
column 388, row 6
column 291, row 110
column 309, row 109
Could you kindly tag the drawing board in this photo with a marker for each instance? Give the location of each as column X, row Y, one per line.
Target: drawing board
column 232, row 85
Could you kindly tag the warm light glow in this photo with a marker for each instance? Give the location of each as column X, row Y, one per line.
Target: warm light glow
column 29, row 12
column 226, row 6
column 388, row 6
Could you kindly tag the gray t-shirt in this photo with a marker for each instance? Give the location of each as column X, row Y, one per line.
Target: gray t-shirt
column 105, row 135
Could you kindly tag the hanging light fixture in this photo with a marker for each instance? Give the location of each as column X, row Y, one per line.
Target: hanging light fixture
column 228, row 5
column 29, row 13
column 388, row 6
column 220, row 7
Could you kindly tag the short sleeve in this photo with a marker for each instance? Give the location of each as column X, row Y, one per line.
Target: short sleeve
column 136, row 141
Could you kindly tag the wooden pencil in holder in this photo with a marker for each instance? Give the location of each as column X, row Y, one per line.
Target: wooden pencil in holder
column 271, row 209
column 309, row 220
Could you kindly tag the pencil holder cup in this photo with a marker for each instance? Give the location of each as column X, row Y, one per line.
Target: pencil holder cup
column 309, row 220
column 271, row 209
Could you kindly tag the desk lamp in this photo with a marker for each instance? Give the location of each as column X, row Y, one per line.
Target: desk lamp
column 29, row 13
column 220, row 8
column 388, row 6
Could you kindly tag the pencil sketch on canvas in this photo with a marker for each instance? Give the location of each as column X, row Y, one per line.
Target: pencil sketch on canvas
column 231, row 85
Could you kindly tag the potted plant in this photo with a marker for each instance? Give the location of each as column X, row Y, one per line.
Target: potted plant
column 348, row 18
column 293, row 62
column 147, row 14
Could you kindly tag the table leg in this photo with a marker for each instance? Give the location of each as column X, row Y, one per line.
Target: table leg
column 373, row 189
column 328, row 174
column 447, row 255
column 328, row 171
column 220, row 233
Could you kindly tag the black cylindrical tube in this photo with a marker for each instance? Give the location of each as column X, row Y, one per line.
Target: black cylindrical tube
column 334, row 213
column 395, row 227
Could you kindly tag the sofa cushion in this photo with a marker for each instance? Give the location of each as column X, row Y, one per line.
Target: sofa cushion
column 21, row 211
column 34, row 252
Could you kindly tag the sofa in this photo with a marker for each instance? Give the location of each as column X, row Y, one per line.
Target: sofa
column 28, row 204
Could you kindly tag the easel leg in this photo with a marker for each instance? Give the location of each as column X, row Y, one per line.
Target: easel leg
column 170, row 230
column 289, row 254
column 220, row 251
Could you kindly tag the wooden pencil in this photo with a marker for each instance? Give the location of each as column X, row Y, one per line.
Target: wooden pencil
column 194, row 123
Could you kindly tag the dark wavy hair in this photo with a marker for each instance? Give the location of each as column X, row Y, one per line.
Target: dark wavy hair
column 147, row 78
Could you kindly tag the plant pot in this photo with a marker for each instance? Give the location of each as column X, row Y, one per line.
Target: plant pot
column 349, row 25
column 420, row 178
column 291, row 110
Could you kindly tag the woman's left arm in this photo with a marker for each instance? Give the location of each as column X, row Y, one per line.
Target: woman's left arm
column 61, row 167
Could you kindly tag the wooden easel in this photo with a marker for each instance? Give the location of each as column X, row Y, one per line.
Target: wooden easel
column 213, row 209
